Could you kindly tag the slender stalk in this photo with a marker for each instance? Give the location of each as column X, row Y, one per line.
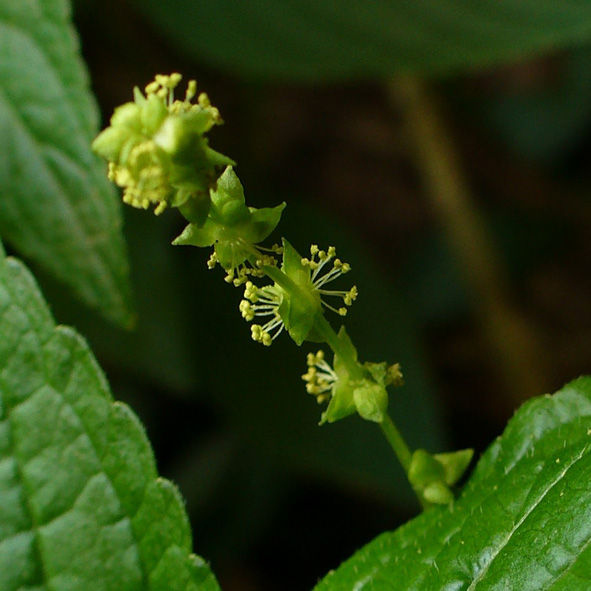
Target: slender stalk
column 514, row 347
column 396, row 442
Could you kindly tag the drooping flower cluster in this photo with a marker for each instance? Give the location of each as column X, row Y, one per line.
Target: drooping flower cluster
column 157, row 150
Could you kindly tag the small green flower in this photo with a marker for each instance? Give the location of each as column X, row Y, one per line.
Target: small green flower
column 234, row 230
column 298, row 295
column 365, row 393
column 157, row 151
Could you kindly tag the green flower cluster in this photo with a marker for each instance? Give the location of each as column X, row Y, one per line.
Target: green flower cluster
column 157, row 150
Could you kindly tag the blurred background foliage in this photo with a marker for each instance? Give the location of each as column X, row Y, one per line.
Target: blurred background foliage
column 311, row 118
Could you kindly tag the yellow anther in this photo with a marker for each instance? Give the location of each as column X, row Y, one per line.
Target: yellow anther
column 160, row 207
column 152, row 87
column 212, row 261
column 203, row 101
column 246, row 310
column 191, row 91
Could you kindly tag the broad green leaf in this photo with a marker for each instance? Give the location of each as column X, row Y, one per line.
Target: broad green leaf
column 56, row 205
column 323, row 39
column 82, row 506
column 522, row 523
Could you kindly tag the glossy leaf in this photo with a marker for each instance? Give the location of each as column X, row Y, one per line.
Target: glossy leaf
column 56, row 204
column 82, row 504
column 523, row 521
column 303, row 40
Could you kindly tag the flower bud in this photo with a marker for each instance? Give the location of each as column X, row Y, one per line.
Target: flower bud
column 232, row 228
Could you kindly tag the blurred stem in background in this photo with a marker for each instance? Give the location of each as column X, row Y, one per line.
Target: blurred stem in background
column 512, row 342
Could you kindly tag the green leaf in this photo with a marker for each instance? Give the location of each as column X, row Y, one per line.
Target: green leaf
column 82, row 505
column 56, row 204
column 523, row 521
column 303, row 40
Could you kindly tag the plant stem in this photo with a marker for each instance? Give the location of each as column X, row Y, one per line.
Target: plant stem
column 509, row 337
column 396, row 442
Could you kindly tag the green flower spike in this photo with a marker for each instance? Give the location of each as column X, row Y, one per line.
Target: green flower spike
column 157, row 151
column 234, row 230
column 296, row 299
column 345, row 394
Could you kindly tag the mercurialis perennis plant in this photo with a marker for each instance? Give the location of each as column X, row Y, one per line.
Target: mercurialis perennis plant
column 158, row 153
column 83, row 506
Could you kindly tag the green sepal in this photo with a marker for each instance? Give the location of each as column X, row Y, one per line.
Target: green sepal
column 301, row 303
column 127, row 115
column 424, row 470
column 438, row 493
column 432, row 476
column 126, row 125
column 196, row 209
column 263, row 221
column 342, row 402
column 193, row 235
column 217, row 158
column 371, row 400
column 110, row 142
column 455, row 464
column 298, row 313
column 153, row 114
column 229, row 188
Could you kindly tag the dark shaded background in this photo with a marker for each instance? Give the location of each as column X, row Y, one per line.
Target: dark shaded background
column 276, row 501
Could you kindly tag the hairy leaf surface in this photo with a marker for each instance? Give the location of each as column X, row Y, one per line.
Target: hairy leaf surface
column 81, row 504
column 56, row 204
column 323, row 39
column 523, row 521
